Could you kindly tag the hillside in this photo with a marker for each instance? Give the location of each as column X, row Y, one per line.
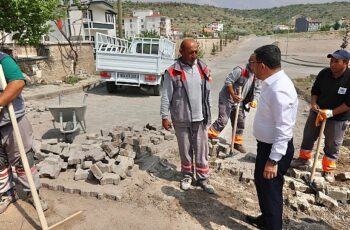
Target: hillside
column 261, row 21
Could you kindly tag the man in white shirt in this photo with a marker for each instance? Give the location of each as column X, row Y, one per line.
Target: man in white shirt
column 273, row 130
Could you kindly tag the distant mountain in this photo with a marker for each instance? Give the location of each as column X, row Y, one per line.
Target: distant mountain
column 245, row 4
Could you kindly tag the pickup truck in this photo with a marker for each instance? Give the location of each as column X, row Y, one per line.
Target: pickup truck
column 139, row 63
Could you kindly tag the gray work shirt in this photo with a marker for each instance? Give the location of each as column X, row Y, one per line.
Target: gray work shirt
column 194, row 83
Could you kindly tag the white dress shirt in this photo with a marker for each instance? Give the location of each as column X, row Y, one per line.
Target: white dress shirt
column 276, row 113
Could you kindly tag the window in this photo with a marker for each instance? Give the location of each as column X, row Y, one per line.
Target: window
column 109, row 17
column 89, row 38
column 88, row 15
column 147, row 48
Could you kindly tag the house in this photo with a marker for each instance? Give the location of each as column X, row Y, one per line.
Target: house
column 99, row 16
column 305, row 24
column 216, row 26
column 146, row 20
column 278, row 28
column 177, row 33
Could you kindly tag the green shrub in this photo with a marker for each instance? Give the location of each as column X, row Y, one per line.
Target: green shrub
column 72, row 79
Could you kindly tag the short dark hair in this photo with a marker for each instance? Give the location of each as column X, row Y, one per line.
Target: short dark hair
column 270, row 55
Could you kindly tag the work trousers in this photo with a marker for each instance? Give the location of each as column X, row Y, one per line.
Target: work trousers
column 269, row 192
column 228, row 110
column 10, row 156
column 193, row 148
column 333, row 132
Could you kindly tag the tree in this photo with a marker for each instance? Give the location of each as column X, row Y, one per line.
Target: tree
column 346, row 36
column 27, row 19
column 336, row 25
column 150, row 34
column 60, row 14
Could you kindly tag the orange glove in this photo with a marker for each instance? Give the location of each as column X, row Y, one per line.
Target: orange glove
column 322, row 115
column 253, row 104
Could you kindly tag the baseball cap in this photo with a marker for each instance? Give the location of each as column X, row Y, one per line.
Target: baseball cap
column 340, row 54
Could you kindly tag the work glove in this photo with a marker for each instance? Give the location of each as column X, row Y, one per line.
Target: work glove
column 322, row 115
column 253, row 104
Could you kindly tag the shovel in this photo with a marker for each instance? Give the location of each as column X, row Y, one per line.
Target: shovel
column 24, row 159
column 234, row 128
column 320, row 136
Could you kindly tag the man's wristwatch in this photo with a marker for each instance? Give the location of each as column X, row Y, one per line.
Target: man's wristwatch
column 272, row 162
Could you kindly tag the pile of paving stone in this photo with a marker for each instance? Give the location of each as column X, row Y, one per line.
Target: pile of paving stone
column 303, row 194
column 108, row 156
column 319, row 192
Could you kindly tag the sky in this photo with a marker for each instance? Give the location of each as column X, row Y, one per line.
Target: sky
column 247, row 4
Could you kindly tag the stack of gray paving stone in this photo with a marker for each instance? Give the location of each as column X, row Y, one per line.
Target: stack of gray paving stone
column 236, row 163
column 242, row 165
column 108, row 156
column 321, row 193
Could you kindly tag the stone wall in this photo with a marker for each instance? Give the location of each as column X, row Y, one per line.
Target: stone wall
column 56, row 67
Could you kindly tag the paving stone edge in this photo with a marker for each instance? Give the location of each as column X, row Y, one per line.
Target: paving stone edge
column 70, row 90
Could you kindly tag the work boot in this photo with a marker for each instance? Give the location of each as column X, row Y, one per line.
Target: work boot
column 6, row 199
column 329, row 176
column 43, row 203
column 239, row 148
column 185, row 183
column 258, row 221
column 206, row 186
column 300, row 164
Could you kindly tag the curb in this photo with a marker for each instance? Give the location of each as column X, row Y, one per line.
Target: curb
column 303, row 64
column 70, row 90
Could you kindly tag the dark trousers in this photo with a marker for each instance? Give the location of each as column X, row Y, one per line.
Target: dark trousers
column 270, row 191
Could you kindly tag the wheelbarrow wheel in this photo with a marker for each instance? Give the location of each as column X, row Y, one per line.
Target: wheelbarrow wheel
column 68, row 137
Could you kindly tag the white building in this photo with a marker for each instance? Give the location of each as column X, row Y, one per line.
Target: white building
column 216, row 26
column 280, row 28
column 146, row 20
column 83, row 26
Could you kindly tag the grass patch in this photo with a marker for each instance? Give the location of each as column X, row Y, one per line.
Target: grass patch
column 72, row 79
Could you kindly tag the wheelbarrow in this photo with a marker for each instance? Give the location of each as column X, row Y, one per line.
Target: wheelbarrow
column 69, row 117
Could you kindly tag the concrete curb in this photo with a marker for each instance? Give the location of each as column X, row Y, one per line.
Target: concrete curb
column 74, row 89
column 304, row 64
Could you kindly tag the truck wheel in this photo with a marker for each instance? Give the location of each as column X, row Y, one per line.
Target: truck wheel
column 111, row 87
column 156, row 90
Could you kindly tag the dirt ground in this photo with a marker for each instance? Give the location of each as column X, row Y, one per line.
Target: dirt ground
column 152, row 198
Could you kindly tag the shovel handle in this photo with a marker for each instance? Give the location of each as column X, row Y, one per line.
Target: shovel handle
column 320, row 136
column 234, row 128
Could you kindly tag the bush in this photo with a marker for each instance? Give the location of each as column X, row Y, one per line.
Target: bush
column 72, row 79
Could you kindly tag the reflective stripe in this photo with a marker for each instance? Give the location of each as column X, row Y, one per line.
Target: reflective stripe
column 204, row 169
column 212, row 133
column 21, row 172
column 238, row 139
column 328, row 165
column 5, row 172
column 305, row 154
column 187, row 167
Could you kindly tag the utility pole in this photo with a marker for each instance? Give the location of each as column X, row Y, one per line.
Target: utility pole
column 120, row 18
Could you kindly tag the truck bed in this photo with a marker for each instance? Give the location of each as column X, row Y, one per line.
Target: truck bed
column 126, row 62
column 142, row 55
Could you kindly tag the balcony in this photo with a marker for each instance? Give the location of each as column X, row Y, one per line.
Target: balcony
column 98, row 25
